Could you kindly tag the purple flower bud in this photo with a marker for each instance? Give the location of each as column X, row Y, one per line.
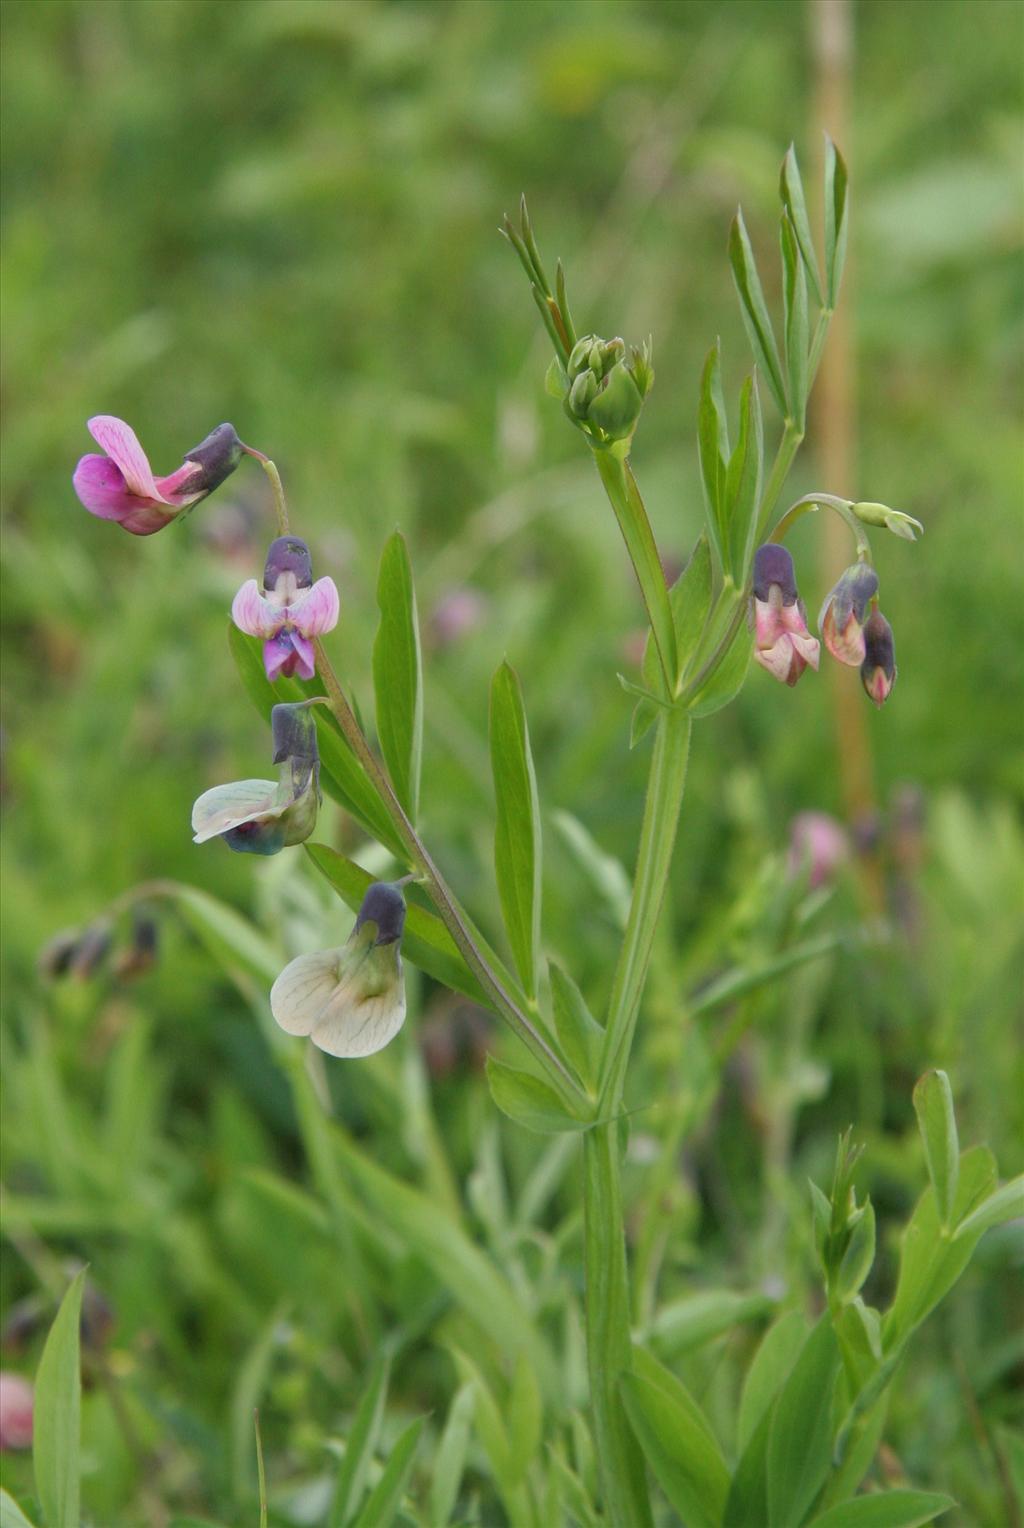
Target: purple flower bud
column 841, row 622
column 57, row 954
column 774, row 565
column 383, row 905
column 878, row 671
column 782, row 643
column 288, row 555
column 216, row 457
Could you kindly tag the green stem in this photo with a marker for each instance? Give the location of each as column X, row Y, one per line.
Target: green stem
column 842, row 507
column 443, row 898
column 624, row 495
column 792, row 436
column 280, row 504
column 621, row 1468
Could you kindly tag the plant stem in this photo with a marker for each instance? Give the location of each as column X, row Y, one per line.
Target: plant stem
column 444, row 899
column 280, row 504
column 621, row 487
column 792, row 436
column 621, row 1467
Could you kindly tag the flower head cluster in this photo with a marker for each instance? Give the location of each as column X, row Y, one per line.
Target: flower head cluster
column 602, row 390
column 120, row 485
column 259, row 816
column 290, row 611
column 349, row 1001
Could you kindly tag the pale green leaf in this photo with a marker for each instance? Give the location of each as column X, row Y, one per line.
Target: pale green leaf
column 794, row 296
column 11, row 1515
column 1005, row 1203
column 792, row 192
column 56, row 1414
column 677, row 1443
column 579, row 1034
column 933, row 1104
column 517, row 839
column 770, row 1365
column 837, row 219
column 886, row 1509
column 398, row 673
column 528, row 1101
column 385, row 1498
column 360, row 1444
column 800, row 1434
column 754, row 309
column 713, row 444
column 450, row 1458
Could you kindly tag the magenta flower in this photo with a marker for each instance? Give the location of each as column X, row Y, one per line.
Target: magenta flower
column 782, row 643
column 120, row 485
column 291, row 610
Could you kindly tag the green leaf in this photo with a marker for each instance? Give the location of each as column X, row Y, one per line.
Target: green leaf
column 794, row 297
column 933, row 1105
column 579, row 1034
column 11, row 1515
column 450, row 1459
column 607, row 875
column 56, row 1414
column 426, row 941
column 517, row 840
column 836, row 219
column 525, row 1413
column 690, row 598
column 727, row 680
column 689, row 1323
column 631, row 514
column 341, row 774
column 385, row 1498
column 529, row 1101
column 676, row 1441
column 713, row 445
column 800, row 1434
column 229, row 937
column 398, row 674
column 770, row 1365
column 743, row 483
column 645, row 714
column 361, row 1444
column 931, row 1261
column 755, row 311
column 886, row 1509
column 858, row 1257
column 1006, row 1203
column 792, row 192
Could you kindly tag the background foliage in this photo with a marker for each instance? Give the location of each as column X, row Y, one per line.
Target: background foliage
column 284, row 214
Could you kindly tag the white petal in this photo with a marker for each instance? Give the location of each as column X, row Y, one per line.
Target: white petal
column 302, row 991
column 225, row 806
column 358, row 1023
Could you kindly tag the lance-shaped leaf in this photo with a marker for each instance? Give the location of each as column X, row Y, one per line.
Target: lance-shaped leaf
column 755, row 311
column 800, row 1433
column 837, row 207
column 56, row 1421
column 794, row 295
column 341, row 774
column 426, row 942
column 886, row 1509
column 725, row 683
column 791, row 190
column 450, row 1455
column 384, row 1500
column 579, row 1033
column 398, row 673
column 361, row 1444
column 517, row 840
column 676, row 1440
column 690, row 597
column 933, row 1104
column 528, row 1101
column 743, row 483
column 713, row 446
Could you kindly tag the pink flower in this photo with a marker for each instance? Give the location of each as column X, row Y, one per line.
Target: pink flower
column 291, row 610
column 841, row 622
column 782, row 643
column 120, row 485
column 15, row 1411
column 817, row 843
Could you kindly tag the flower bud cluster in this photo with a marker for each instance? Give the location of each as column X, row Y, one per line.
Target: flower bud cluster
column 603, row 390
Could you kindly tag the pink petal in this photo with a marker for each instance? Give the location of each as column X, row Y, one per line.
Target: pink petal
column 767, row 623
column 279, row 656
column 252, row 614
column 306, row 665
column 100, row 485
column 316, row 610
column 121, row 444
column 808, row 647
column 174, row 489
column 778, row 659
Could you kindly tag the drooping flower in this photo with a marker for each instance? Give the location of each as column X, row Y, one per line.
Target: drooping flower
column 349, row 1001
column 291, row 610
column 841, row 621
column 878, row 671
column 257, row 816
column 782, row 643
column 120, row 485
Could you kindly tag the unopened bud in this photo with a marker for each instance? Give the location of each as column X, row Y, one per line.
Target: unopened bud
column 288, row 555
column 878, row 671
column 841, row 621
column 616, row 408
column 891, row 519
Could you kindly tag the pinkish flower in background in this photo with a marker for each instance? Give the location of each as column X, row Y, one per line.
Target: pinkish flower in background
column 817, row 844
column 782, row 643
column 841, row 622
column 291, row 610
column 120, row 486
column 15, row 1411
column 878, row 671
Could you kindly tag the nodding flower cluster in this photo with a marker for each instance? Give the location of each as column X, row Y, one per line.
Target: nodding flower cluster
column 350, row 1001
column 852, row 627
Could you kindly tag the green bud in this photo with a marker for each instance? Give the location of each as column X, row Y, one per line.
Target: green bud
column 579, row 357
column 893, row 520
column 616, row 408
column 581, row 394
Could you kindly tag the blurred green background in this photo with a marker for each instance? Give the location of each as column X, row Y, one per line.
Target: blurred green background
column 284, row 214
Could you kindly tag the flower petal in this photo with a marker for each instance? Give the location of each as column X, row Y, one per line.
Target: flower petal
column 364, row 1013
column 121, row 444
column 175, row 488
column 305, row 664
column 303, row 989
column 226, row 806
column 279, row 656
column 316, row 610
column 252, row 614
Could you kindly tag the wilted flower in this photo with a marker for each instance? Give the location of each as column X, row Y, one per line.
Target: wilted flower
column 120, row 485
column 878, row 671
column 782, row 643
column 350, row 1001
column 257, row 816
column 15, row 1411
column 818, row 844
column 841, row 621
column 291, row 610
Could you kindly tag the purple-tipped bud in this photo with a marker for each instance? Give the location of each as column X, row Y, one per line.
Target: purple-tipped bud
column 383, row 905
column 217, row 457
column 841, row 622
column 774, row 565
column 288, row 554
column 878, row 671
column 294, row 733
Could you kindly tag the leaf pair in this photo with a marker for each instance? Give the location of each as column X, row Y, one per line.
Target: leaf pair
column 731, row 479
